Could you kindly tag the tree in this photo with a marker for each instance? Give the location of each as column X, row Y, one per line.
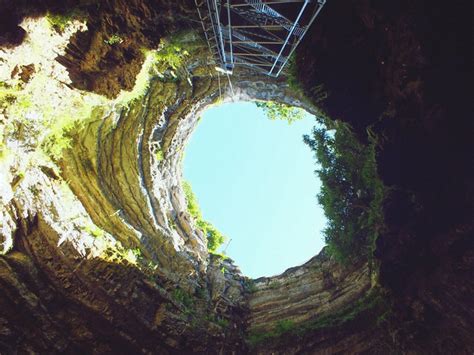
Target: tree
column 351, row 193
column 278, row 111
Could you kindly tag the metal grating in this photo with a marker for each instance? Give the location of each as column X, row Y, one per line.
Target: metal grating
column 257, row 34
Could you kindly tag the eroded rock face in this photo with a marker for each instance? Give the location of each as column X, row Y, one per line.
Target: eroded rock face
column 101, row 252
column 306, row 292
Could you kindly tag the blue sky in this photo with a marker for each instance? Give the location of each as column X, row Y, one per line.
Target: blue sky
column 254, row 179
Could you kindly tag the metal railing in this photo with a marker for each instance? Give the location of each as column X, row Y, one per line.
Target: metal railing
column 257, row 34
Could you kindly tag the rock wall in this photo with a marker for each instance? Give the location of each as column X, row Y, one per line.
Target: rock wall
column 401, row 71
column 101, row 252
column 305, row 292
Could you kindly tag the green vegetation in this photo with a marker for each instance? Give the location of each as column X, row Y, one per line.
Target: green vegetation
column 277, row 111
column 220, row 321
column 107, row 248
column 45, row 119
column 172, row 222
column 193, row 207
column 291, row 72
column 351, row 193
column 167, row 63
column 58, row 140
column 373, row 301
column 117, row 254
column 95, row 231
column 317, row 93
column 171, row 55
column 214, row 237
column 220, row 256
column 59, row 22
column 159, row 155
column 249, row 285
column 183, row 298
column 201, row 293
column 273, row 285
column 372, row 307
column 281, row 327
column 114, row 39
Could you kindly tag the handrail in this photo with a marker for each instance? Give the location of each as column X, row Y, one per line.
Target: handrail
column 289, row 35
column 268, row 34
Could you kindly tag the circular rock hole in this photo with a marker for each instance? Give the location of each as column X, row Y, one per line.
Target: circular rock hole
column 254, row 180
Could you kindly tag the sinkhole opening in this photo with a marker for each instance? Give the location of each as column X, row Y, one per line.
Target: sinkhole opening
column 254, row 182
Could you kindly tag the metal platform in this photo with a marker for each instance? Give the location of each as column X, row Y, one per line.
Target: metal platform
column 257, row 34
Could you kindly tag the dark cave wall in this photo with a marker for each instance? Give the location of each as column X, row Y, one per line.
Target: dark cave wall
column 404, row 70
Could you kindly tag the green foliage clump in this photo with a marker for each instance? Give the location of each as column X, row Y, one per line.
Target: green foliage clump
column 191, row 200
column 214, row 237
column 316, row 94
column 220, row 321
column 117, row 254
column 373, row 301
column 277, row 111
column 173, row 53
column 183, row 298
column 284, row 326
column 281, row 327
column 170, row 55
column 249, row 285
column 159, row 155
column 95, row 231
column 58, row 140
column 167, row 63
column 59, row 22
column 351, row 193
column 114, row 39
column 291, row 72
